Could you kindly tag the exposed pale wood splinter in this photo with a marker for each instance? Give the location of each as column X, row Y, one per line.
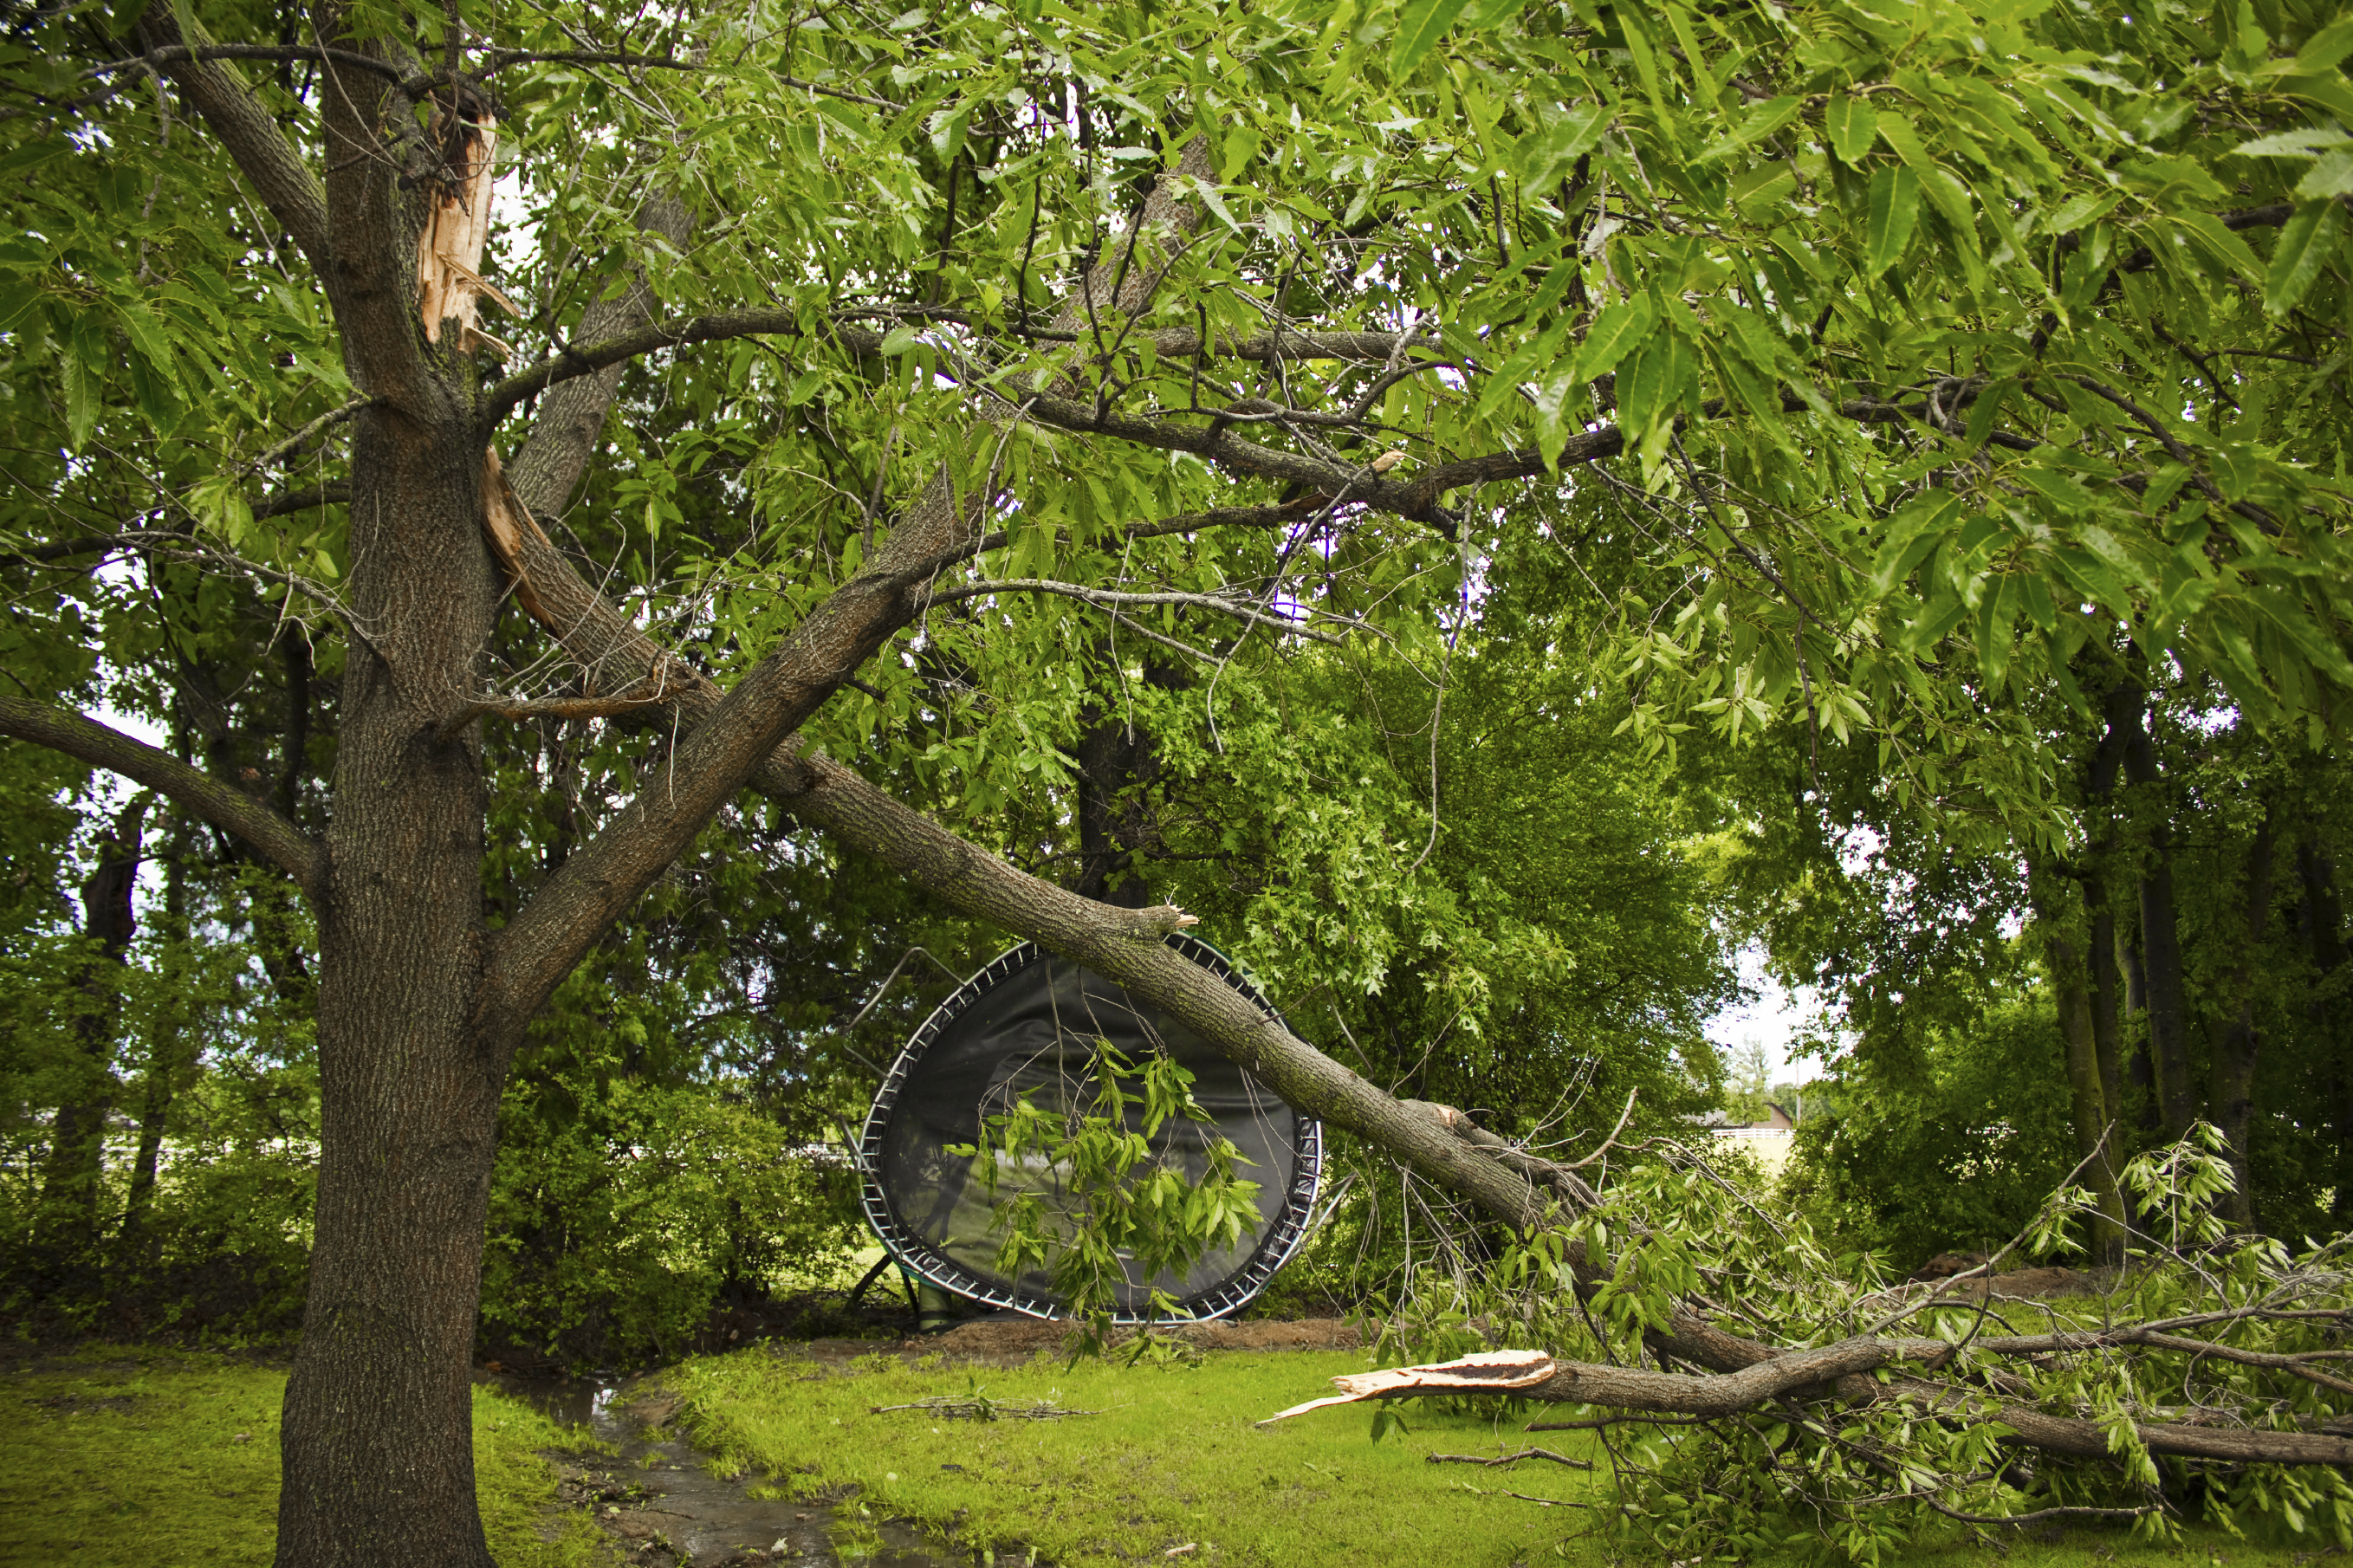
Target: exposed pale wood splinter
column 449, row 282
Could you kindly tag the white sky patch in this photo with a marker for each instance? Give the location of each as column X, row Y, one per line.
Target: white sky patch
column 1774, row 1020
column 137, row 728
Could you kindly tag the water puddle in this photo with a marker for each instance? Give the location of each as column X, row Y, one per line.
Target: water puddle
column 661, row 1502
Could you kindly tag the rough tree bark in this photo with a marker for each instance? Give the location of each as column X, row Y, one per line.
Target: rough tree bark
column 550, row 464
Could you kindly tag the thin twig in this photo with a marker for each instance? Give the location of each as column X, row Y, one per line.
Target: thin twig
column 1510, row 1459
column 985, row 1410
column 1606, row 1142
column 332, row 417
column 1597, row 1423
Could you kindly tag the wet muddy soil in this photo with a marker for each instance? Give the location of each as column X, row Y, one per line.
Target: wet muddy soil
column 659, row 1503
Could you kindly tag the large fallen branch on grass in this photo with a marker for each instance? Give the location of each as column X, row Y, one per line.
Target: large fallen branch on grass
column 1831, row 1371
column 1737, row 1373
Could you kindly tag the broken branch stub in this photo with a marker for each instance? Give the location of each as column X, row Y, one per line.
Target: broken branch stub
column 449, row 282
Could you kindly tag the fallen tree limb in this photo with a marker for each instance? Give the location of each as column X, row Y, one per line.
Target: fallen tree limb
column 1532, row 1375
column 1509, row 1458
column 1739, row 1373
column 1829, row 1371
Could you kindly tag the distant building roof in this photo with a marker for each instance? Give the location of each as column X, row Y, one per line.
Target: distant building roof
column 1776, row 1119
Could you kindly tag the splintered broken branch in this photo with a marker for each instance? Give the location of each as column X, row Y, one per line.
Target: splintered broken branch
column 1491, row 1372
column 449, row 283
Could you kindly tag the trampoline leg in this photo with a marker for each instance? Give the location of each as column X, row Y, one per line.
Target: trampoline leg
column 935, row 1309
column 872, row 1275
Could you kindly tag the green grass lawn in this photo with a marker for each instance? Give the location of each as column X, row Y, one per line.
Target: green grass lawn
column 1173, row 1458
column 147, row 1459
column 125, row 1459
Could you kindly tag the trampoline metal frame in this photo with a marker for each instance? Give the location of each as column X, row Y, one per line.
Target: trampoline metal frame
column 912, row 1253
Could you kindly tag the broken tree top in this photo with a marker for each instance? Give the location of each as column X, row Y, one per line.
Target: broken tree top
column 1028, row 1027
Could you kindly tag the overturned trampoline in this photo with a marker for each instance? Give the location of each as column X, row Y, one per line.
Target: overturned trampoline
column 1026, row 1026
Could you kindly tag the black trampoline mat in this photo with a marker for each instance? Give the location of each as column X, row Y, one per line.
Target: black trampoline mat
column 1028, row 1027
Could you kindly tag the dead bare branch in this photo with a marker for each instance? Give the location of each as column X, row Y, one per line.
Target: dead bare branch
column 1509, row 1458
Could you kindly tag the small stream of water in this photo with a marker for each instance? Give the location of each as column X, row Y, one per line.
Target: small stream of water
column 707, row 1522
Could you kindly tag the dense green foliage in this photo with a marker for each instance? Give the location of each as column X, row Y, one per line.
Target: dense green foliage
column 1956, row 1155
column 1874, row 1481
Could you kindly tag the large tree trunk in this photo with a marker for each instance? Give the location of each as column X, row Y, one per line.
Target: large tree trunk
column 2140, row 1063
column 377, row 1442
column 2096, row 1127
column 2107, row 1010
column 66, row 1221
column 2101, row 1017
